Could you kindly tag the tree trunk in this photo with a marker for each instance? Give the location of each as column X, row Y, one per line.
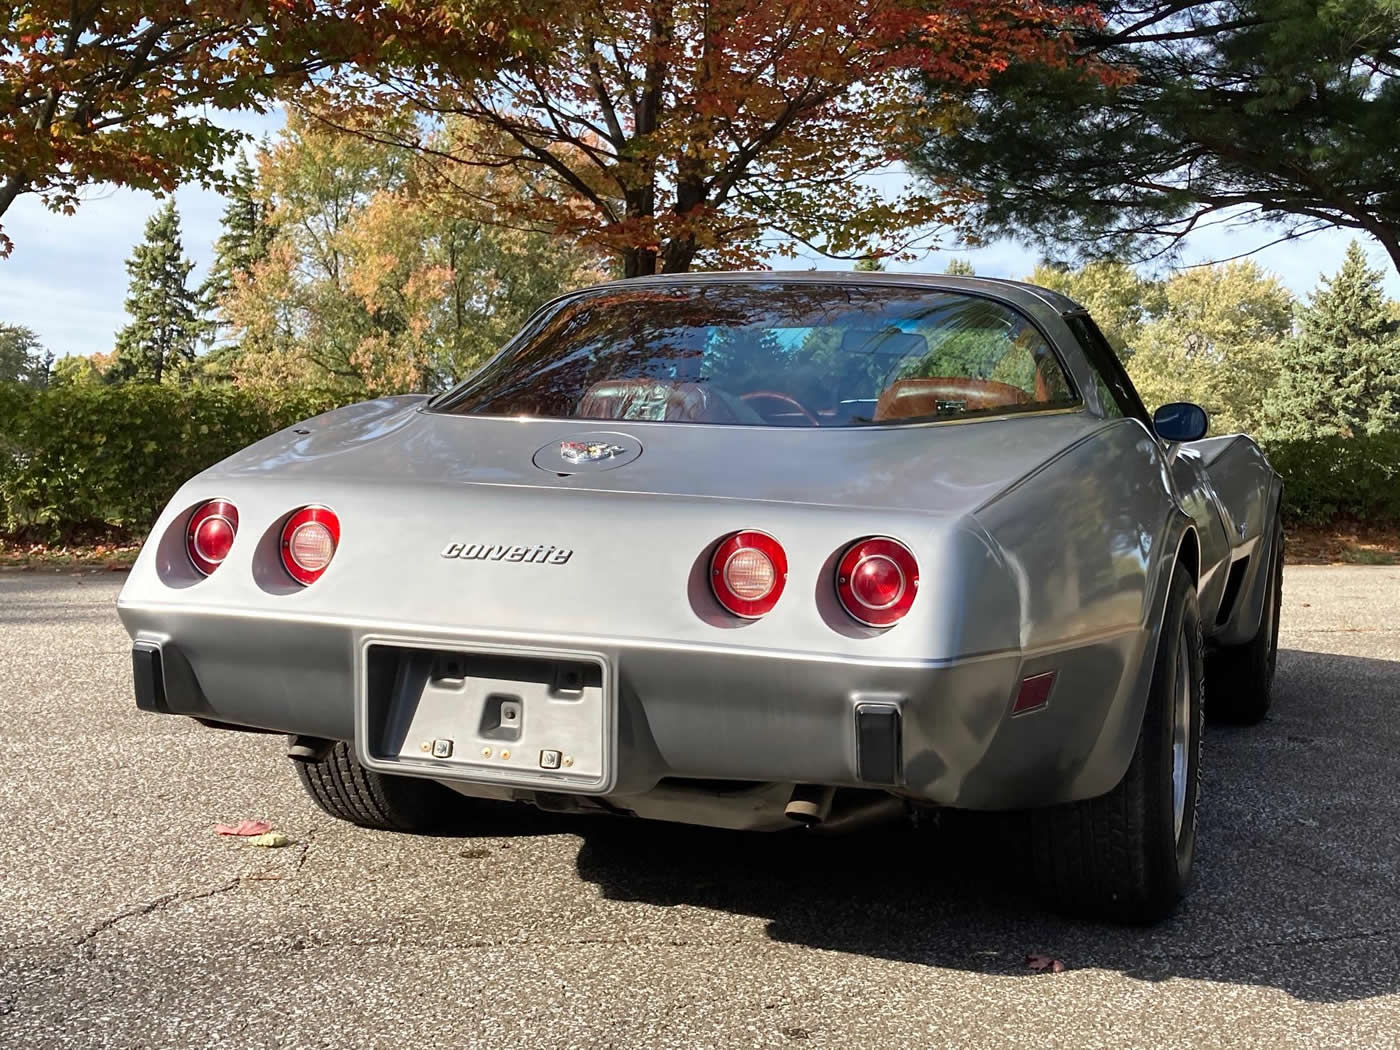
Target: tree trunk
column 12, row 186
column 1389, row 236
column 638, row 262
column 679, row 255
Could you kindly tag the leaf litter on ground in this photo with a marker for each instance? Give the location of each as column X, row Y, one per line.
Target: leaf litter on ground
column 244, row 828
column 1044, row 964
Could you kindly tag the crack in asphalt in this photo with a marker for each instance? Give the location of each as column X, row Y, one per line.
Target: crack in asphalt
column 304, row 848
column 166, row 899
column 163, row 901
column 1291, row 942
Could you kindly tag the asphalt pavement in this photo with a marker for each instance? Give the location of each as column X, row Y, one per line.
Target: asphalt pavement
column 124, row 921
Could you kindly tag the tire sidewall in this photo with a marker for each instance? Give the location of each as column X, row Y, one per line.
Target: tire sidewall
column 1181, row 627
column 1273, row 609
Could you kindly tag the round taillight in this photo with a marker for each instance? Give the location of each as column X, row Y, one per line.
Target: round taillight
column 877, row 580
column 209, row 537
column 747, row 573
column 309, row 540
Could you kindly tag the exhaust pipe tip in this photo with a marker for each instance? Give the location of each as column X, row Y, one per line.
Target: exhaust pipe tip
column 308, row 748
column 810, row 804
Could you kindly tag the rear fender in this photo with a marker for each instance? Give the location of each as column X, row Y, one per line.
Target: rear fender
column 1092, row 541
column 1250, row 494
column 1113, row 751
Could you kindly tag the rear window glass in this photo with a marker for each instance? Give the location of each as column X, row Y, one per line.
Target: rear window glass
column 769, row 354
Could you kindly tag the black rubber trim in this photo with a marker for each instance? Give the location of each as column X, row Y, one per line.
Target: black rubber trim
column 149, row 678
column 1232, row 589
column 878, row 751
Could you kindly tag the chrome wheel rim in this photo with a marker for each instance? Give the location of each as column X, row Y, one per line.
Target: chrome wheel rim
column 1181, row 735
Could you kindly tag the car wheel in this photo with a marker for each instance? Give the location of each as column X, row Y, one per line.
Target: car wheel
column 1127, row 855
column 1242, row 676
column 347, row 790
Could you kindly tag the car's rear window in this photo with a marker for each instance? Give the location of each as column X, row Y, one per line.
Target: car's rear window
column 769, row 354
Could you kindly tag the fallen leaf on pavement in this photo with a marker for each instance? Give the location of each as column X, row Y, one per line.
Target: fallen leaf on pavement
column 1044, row 964
column 272, row 840
column 244, row 828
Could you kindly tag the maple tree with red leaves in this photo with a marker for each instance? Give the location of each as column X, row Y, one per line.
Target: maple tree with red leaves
column 122, row 91
column 672, row 133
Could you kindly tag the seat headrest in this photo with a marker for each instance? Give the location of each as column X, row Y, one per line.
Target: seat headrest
column 946, row 395
column 657, row 400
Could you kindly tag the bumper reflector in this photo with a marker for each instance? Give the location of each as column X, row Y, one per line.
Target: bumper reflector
column 1035, row 693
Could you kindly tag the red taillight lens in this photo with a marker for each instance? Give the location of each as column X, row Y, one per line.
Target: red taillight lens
column 877, row 580
column 748, row 572
column 210, row 535
column 309, row 540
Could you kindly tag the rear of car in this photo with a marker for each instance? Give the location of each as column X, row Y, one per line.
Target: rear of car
column 733, row 553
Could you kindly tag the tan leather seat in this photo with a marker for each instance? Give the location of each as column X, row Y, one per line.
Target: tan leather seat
column 945, row 395
column 654, row 399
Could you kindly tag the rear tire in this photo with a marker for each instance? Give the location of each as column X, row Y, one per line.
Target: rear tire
column 1242, row 676
column 340, row 786
column 1127, row 855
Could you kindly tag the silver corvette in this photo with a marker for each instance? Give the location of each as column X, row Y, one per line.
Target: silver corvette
column 747, row 550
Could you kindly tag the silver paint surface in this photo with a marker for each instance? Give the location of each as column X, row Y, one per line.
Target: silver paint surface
column 1045, row 542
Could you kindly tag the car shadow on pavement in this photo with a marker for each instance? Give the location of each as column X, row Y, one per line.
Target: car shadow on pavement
column 1296, row 878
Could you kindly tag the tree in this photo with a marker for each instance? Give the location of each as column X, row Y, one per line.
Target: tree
column 165, row 320
column 1340, row 375
column 1215, row 339
column 869, row 264
column 1120, row 299
column 381, row 277
column 671, row 133
column 245, row 237
column 1274, row 111
column 124, row 91
column 960, row 268
column 77, row 370
column 23, row 358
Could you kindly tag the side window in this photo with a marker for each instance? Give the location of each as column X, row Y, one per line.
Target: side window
column 1115, row 388
column 1111, row 408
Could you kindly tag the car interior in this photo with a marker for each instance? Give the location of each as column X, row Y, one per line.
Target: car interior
column 871, row 384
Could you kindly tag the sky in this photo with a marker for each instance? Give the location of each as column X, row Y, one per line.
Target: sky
column 67, row 280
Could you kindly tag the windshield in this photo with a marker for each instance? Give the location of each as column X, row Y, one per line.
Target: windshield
column 769, row 354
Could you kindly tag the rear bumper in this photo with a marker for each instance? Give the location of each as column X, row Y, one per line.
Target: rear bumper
column 704, row 713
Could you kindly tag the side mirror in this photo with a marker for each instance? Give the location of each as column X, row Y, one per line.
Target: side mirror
column 1180, row 421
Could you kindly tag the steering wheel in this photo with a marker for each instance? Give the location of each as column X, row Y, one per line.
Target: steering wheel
column 774, row 395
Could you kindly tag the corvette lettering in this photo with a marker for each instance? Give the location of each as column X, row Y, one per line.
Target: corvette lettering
column 500, row 552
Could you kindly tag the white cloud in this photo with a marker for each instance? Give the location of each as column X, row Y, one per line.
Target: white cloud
column 67, row 276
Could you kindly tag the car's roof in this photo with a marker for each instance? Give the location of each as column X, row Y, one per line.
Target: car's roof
column 1016, row 291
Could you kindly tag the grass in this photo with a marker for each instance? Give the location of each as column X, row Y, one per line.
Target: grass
column 40, row 557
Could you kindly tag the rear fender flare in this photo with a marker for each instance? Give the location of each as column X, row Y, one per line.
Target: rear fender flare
column 1113, row 751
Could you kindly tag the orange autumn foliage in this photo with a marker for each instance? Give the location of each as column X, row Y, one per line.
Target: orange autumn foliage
column 673, row 133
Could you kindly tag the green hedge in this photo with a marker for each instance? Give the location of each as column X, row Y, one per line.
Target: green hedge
column 1331, row 479
column 79, row 459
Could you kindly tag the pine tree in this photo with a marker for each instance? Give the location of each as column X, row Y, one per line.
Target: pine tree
column 246, row 235
column 960, row 268
column 165, row 312
column 1340, row 373
column 23, row 358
